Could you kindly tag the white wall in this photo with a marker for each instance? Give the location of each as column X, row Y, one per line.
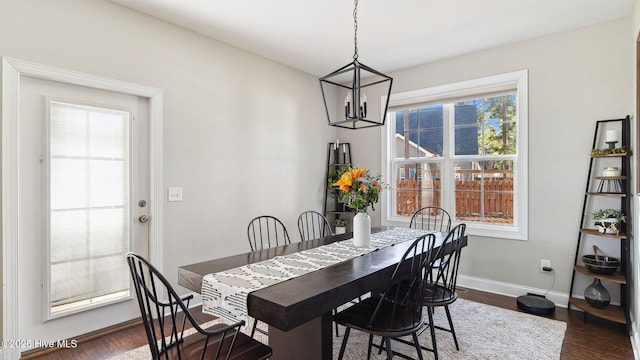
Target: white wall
column 243, row 136
column 575, row 78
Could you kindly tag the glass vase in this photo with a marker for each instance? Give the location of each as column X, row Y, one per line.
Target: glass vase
column 597, row 295
column 361, row 230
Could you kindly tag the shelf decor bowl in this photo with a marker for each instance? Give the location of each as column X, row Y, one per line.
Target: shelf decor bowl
column 604, row 265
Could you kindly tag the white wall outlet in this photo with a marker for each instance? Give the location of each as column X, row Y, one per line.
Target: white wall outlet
column 175, row 194
column 544, row 263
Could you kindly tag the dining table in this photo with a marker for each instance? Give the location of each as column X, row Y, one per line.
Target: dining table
column 298, row 311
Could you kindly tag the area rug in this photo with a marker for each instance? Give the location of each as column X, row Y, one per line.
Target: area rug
column 484, row 332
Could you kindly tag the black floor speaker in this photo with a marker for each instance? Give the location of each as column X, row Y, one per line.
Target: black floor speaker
column 536, row 304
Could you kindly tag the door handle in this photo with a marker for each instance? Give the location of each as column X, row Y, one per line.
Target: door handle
column 143, row 218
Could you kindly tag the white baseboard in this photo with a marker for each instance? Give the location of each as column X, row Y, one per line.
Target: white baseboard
column 512, row 290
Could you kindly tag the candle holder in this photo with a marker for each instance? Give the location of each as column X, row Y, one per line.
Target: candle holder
column 612, row 144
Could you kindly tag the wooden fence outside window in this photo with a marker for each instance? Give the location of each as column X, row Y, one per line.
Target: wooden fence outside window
column 497, row 198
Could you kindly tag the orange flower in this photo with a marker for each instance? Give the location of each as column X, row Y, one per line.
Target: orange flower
column 359, row 172
column 360, row 190
column 345, row 182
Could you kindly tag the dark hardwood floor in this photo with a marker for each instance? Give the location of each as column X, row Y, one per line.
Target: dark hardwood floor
column 596, row 339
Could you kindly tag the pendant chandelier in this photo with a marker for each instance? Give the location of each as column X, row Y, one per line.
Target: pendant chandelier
column 349, row 86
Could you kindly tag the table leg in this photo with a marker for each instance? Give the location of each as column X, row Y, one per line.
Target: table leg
column 311, row 340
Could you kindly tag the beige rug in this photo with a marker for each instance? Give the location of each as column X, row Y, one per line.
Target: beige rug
column 484, row 332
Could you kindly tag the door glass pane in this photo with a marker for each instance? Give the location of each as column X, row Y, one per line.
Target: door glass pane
column 89, row 206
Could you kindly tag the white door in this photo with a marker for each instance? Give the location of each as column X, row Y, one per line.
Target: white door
column 84, row 183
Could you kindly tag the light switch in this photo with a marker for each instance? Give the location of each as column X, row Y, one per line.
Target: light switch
column 175, row 194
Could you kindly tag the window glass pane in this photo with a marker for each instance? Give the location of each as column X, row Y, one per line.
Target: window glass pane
column 491, row 121
column 418, row 185
column 68, row 130
column 89, row 205
column 419, row 133
column 68, row 183
column 484, row 191
column 466, row 128
column 108, row 132
column 108, row 182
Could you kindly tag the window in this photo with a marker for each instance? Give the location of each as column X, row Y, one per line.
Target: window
column 462, row 147
column 88, row 206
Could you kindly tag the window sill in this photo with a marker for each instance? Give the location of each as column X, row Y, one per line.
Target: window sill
column 484, row 230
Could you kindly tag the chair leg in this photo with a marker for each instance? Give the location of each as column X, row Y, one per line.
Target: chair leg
column 334, row 312
column 370, row 345
column 433, row 332
column 344, row 343
column 255, row 325
column 417, row 345
column 455, row 339
column 387, row 342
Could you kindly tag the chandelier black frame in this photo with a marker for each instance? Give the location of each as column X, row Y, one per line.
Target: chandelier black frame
column 353, row 79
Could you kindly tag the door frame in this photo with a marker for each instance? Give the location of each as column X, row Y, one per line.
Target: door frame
column 13, row 70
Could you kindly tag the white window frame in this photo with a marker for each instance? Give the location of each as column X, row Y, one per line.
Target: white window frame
column 519, row 229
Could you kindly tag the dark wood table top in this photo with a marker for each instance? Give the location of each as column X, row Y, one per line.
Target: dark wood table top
column 293, row 302
column 190, row 276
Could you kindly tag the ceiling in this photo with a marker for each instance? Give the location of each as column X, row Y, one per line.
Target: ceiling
column 317, row 37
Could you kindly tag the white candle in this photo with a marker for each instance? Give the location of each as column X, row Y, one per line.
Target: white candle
column 347, row 105
column 364, row 103
column 612, row 136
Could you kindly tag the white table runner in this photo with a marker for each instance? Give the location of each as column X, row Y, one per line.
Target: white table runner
column 224, row 294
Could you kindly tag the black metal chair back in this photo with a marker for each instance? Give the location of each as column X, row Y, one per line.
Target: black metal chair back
column 165, row 320
column 397, row 310
column 445, row 275
column 405, row 290
column 265, row 232
column 431, row 218
column 440, row 288
column 313, row 225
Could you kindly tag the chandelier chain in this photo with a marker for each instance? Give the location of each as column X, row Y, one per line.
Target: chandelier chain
column 355, row 30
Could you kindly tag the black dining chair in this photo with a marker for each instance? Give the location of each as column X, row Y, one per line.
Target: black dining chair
column 431, row 218
column 165, row 315
column 313, row 225
column 266, row 232
column 397, row 310
column 440, row 286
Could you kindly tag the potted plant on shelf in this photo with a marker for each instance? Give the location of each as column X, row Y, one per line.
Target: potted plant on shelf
column 340, row 206
column 608, row 220
column 340, row 226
